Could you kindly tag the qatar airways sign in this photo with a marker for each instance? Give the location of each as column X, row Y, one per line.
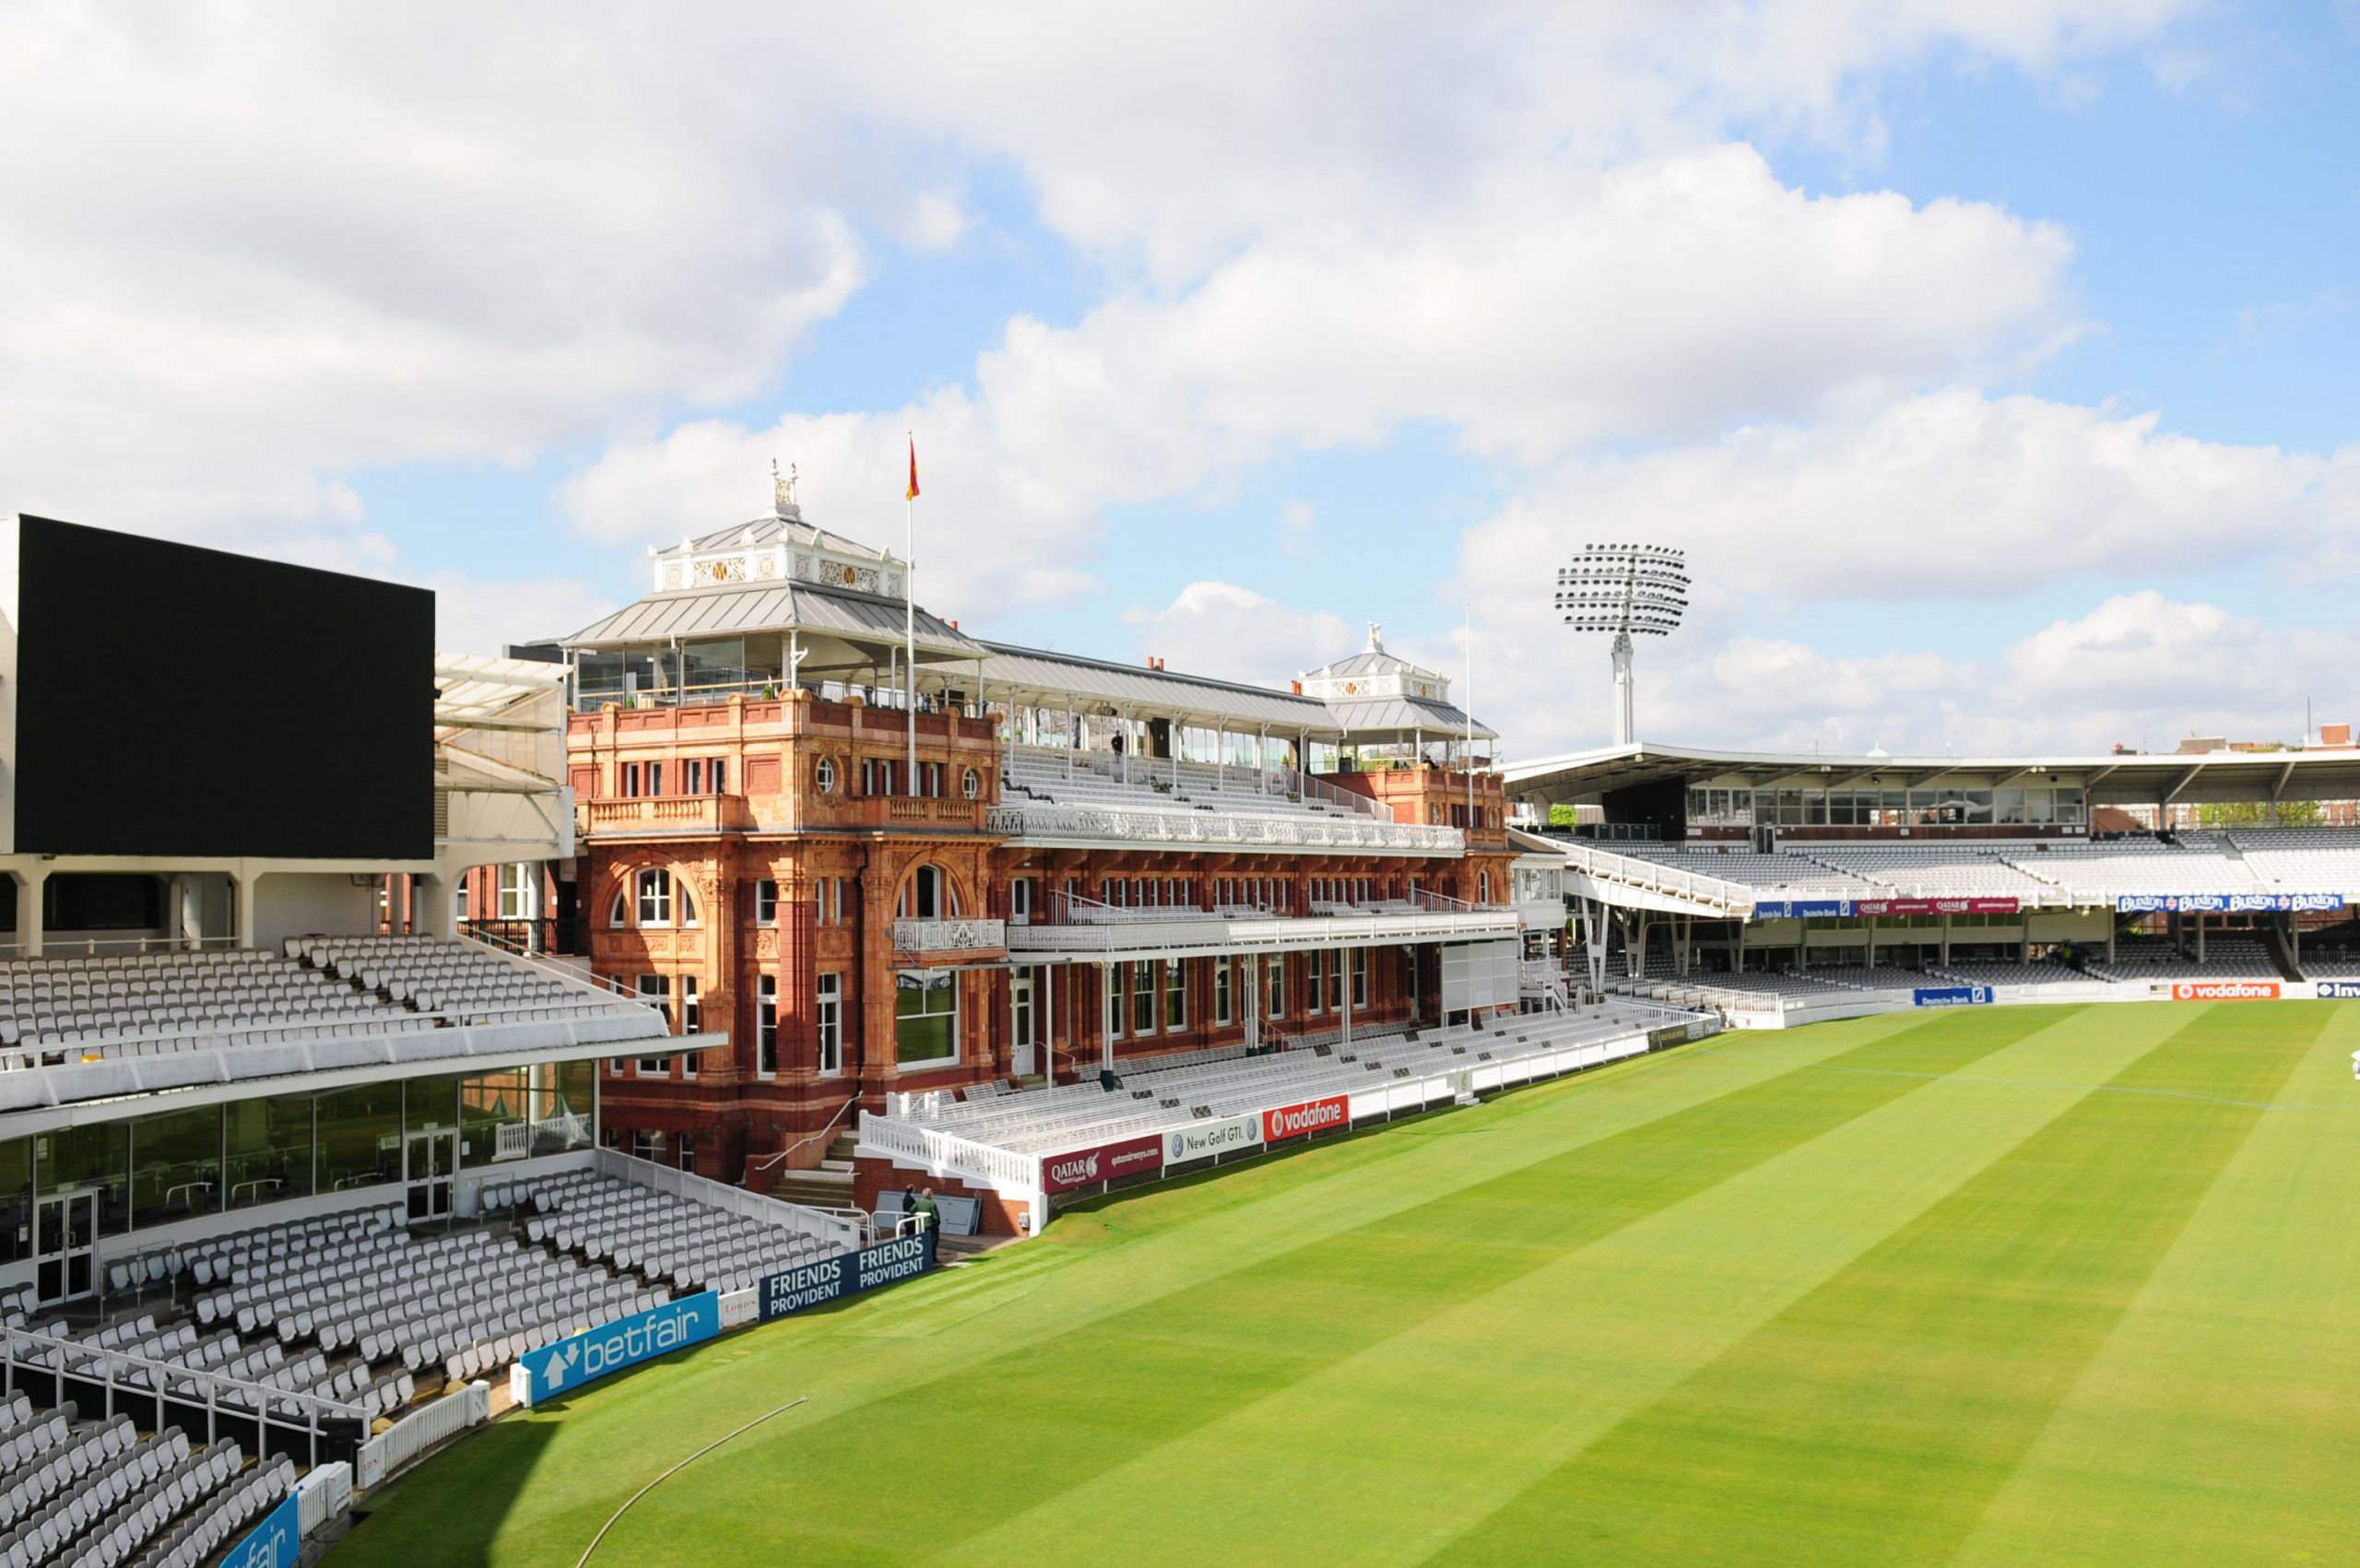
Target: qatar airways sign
column 1301, row 1121
column 1108, row 1162
column 1934, row 906
column 2224, row 990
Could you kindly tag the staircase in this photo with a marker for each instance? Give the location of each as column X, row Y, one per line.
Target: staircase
column 828, row 1186
column 2273, row 942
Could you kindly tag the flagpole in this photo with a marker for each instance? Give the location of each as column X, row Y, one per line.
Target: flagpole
column 910, row 615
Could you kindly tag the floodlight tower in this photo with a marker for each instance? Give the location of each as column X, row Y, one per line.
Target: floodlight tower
column 1629, row 590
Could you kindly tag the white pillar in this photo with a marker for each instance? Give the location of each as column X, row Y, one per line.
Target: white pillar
column 434, row 905
column 192, row 910
column 1108, row 1004
column 242, row 897
column 1346, row 954
column 1049, row 1026
column 1253, row 1001
column 29, row 911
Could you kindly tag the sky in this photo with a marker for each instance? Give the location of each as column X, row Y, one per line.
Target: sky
column 1990, row 357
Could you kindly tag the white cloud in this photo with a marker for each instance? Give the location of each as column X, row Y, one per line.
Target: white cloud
column 1233, row 633
column 472, row 616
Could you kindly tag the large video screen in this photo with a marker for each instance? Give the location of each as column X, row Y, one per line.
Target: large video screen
column 177, row 700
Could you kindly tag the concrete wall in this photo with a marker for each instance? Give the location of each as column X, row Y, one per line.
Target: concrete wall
column 296, row 903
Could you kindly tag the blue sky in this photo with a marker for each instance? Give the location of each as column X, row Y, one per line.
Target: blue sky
column 1211, row 355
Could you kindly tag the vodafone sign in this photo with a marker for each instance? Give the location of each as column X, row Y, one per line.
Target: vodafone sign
column 1311, row 1116
column 1088, row 1167
column 2224, row 991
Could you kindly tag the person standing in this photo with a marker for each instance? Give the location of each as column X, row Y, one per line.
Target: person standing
column 924, row 1209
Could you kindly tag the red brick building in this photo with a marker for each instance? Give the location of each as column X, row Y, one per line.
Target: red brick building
column 1017, row 864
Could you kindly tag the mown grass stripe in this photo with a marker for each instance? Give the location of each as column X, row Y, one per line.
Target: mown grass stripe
column 1082, row 1402
column 1873, row 1420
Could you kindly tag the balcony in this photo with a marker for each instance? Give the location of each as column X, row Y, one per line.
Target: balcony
column 1100, row 934
column 685, row 815
column 932, row 936
column 1118, row 828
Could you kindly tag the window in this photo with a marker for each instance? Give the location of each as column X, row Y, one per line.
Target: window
column 656, row 988
column 830, row 1017
column 766, row 901
column 716, row 773
column 927, row 896
column 1278, row 1008
column 1175, row 995
column 1118, row 984
column 518, row 884
column 645, row 1145
column 631, row 779
column 692, row 776
column 1315, row 995
column 1143, row 997
column 691, row 1011
column 972, row 783
column 655, row 898
column 1482, row 886
column 766, row 1025
column 1360, row 977
column 1336, row 981
column 877, row 775
column 926, row 1018
column 654, row 778
column 823, row 776
column 1019, row 902
column 1220, row 989
column 688, row 1154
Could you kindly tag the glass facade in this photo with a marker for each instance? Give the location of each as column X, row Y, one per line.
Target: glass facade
column 153, row 1170
column 1935, row 806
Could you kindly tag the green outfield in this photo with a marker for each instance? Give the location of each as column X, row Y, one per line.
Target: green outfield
column 1993, row 1286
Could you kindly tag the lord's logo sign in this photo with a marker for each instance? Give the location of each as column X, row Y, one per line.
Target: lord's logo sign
column 594, row 1352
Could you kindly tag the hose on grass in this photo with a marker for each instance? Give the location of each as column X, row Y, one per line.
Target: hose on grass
column 612, row 1519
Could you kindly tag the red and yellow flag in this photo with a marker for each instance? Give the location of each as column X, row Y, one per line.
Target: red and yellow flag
column 913, row 493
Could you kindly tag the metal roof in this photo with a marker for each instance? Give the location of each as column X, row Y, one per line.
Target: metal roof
column 771, row 607
column 769, row 530
column 1038, row 672
column 2113, row 779
column 1405, row 717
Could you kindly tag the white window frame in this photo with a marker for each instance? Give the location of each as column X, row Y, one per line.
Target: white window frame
column 765, row 901
column 653, row 890
column 827, row 1011
column 823, row 776
column 766, row 1026
column 1221, row 968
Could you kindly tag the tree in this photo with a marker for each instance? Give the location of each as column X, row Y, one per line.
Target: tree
column 2256, row 814
column 1561, row 815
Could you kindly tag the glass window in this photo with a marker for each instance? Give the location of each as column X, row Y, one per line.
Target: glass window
column 928, row 895
column 1117, row 987
column 1175, row 995
column 925, row 1009
column 560, row 1106
column 655, row 898
column 495, row 1117
column 1277, row 985
column 16, row 1199
column 175, row 1166
column 766, row 1025
column 270, row 1149
column 519, row 888
column 823, row 776
column 766, row 903
column 361, row 1137
column 1360, row 977
column 96, row 1156
column 1143, row 997
column 972, row 783
column 1220, row 989
column 829, row 1015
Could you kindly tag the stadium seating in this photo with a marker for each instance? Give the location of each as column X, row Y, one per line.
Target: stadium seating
column 77, row 1493
column 2147, row 959
column 1154, row 1096
column 1155, row 784
column 632, row 1229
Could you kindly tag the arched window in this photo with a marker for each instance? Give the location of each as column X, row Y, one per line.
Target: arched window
column 823, row 776
column 973, row 782
column 928, row 895
column 661, row 900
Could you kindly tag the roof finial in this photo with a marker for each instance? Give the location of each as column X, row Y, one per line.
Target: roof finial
column 783, row 491
column 1376, row 636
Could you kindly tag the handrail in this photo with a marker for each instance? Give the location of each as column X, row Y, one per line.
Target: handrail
column 261, row 1400
column 767, row 1163
column 508, row 947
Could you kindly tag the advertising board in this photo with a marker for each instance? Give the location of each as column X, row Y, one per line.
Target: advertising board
column 847, row 1273
column 276, row 1542
column 1310, row 1117
column 1951, row 996
column 2227, row 903
column 2224, row 991
column 1088, row 1167
column 1935, row 906
column 611, row 1347
column 1202, row 1141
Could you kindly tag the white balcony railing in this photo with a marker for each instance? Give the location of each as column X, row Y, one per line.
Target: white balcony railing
column 948, row 936
column 1214, row 829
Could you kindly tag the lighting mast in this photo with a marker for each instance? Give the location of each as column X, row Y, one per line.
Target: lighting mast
column 1628, row 590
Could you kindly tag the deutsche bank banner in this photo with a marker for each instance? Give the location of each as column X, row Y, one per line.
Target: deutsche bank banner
column 1800, row 909
column 610, row 1347
column 847, row 1273
column 1951, row 996
column 1202, row 1141
column 2226, row 903
column 276, row 1542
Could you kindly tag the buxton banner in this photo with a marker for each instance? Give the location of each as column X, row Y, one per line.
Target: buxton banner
column 2227, row 903
column 1311, row 1116
column 1202, row 1141
column 2224, row 990
column 1951, row 996
column 610, row 1347
column 1935, row 906
column 1088, row 1167
column 847, row 1273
